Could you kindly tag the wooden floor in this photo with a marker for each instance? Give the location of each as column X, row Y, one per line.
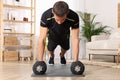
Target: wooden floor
column 23, row 71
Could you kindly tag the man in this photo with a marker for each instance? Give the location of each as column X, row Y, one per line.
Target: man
column 56, row 23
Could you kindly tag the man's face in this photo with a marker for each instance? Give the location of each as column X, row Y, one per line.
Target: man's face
column 60, row 20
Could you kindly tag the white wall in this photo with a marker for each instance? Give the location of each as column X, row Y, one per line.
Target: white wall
column 106, row 11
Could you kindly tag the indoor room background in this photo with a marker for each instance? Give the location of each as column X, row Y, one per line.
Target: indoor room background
column 106, row 11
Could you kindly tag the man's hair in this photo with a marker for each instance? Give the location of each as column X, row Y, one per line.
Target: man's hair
column 60, row 8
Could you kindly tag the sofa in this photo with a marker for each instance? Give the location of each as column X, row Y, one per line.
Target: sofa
column 104, row 44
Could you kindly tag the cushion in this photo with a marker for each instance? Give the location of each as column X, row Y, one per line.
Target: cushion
column 104, row 44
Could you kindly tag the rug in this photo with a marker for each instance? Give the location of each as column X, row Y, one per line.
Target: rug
column 58, row 70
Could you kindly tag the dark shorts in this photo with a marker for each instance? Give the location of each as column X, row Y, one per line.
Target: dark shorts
column 53, row 44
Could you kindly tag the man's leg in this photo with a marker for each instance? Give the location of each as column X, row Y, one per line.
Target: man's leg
column 51, row 60
column 62, row 58
column 63, row 51
column 51, row 47
column 64, row 47
column 51, row 54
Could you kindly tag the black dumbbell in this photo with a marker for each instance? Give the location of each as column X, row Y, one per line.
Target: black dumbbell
column 77, row 68
column 39, row 68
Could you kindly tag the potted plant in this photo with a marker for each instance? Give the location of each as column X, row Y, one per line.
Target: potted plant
column 90, row 27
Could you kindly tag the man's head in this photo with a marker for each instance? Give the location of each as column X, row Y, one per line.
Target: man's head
column 60, row 11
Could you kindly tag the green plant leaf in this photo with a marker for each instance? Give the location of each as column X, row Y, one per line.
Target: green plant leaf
column 90, row 27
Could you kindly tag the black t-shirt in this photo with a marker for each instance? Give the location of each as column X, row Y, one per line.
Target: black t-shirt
column 59, row 30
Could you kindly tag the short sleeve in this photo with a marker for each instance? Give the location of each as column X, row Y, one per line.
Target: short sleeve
column 43, row 21
column 76, row 21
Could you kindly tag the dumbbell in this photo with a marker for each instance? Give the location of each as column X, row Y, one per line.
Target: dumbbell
column 39, row 68
column 77, row 68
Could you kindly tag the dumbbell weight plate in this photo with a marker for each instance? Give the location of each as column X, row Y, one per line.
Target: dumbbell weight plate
column 39, row 68
column 77, row 68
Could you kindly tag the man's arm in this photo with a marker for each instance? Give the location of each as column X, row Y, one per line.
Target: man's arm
column 41, row 44
column 75, row 43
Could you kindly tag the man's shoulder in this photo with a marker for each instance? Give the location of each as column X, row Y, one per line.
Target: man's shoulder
column 48, row 13
column 72, row 12
column 48, row 10
column 72, row 16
